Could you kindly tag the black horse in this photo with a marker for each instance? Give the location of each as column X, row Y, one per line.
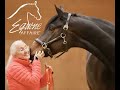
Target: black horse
column 66, row 30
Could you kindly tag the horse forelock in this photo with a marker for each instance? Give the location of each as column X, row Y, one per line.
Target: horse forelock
column 51, row 20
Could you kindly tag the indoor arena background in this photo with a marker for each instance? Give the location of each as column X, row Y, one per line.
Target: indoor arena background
column 69, row 69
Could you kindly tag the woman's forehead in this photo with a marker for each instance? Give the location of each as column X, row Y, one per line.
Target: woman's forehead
column 21, row 45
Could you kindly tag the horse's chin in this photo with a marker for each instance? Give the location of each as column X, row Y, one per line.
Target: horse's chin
column 48, row 55
column 55, row 55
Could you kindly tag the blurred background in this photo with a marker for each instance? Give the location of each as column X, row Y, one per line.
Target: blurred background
column 69, row 69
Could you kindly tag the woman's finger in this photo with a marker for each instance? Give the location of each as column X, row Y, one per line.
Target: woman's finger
column 39, row 52
column 36, row 53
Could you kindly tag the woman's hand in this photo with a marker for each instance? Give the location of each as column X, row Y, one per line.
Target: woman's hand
column 39, row 55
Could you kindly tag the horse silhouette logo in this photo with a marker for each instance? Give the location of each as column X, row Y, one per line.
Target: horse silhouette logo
column 29, row 25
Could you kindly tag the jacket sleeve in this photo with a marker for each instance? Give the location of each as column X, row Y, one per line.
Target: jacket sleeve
column 22, row 75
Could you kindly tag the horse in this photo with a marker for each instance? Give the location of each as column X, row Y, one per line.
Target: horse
column 66, row 30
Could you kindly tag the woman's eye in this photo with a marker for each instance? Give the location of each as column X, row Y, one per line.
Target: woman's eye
column 21, row 49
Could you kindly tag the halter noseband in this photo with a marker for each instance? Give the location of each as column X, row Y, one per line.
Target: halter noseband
column 61, row 36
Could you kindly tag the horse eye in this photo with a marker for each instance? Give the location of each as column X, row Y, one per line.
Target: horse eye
column 61, row 18
column 51, row 27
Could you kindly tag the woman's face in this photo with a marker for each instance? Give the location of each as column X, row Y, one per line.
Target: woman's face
column 23, row 51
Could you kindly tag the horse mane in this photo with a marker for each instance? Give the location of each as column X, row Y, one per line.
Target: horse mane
column 91, row 18
column 94, row 19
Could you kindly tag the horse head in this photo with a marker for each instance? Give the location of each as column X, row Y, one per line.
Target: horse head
column 57, row 35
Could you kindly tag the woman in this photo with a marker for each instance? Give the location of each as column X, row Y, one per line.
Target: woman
column 21, row 74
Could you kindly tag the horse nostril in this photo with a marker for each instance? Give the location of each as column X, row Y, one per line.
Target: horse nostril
column 65, row 27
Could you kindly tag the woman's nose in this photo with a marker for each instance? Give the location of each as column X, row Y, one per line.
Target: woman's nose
column 25, row 52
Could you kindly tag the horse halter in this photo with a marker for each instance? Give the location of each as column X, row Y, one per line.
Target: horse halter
column 61, row 36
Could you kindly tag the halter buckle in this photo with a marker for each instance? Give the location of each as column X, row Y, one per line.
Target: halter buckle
column 65, row 42
column 62, row 35
column 65, row 27
column 44, row 45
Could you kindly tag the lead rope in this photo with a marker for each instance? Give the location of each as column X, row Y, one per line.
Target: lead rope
column 50, row 82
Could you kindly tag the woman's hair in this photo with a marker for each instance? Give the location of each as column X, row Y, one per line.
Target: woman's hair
column 13, row 47
column 13, row 50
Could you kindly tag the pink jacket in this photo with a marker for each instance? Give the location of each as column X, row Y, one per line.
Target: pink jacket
column 22, row 75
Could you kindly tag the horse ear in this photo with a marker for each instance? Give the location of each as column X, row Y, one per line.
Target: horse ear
column 59, row 11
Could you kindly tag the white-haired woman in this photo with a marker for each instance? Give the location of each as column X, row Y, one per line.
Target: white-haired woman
column 21, row 74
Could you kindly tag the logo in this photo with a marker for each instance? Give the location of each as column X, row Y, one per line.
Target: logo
column 28, row 27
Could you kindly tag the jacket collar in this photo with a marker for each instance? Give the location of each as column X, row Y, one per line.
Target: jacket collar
column 22, row 61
